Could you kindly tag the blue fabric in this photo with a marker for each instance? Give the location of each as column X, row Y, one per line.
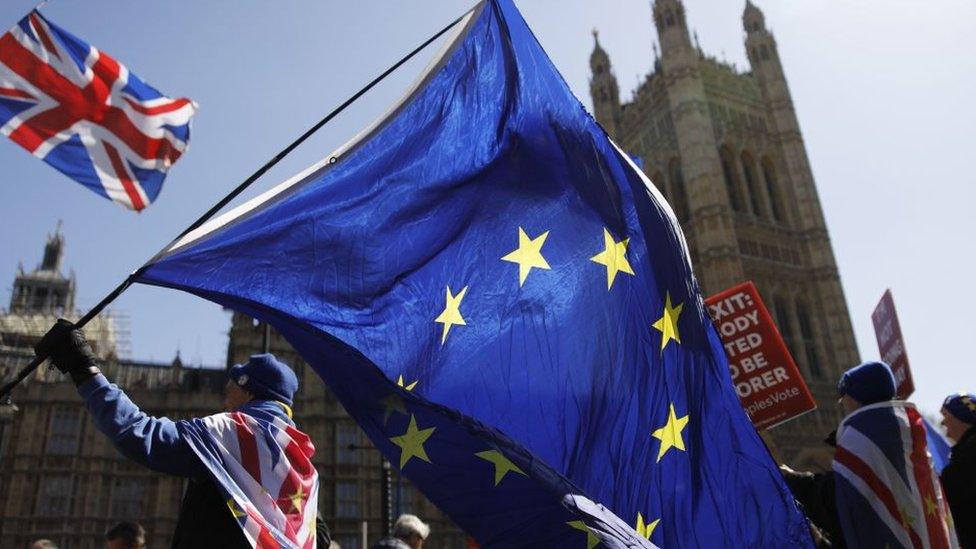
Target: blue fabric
column 266, row 377
column 938, row 447
column 868, row 383
column 562, row 375
column 153, row 442
column 962, row 406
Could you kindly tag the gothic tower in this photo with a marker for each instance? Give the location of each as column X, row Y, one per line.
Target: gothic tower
column 824, row 283
column 45, row 290
column 603, row 88
column 724, row 147
column 709, row 226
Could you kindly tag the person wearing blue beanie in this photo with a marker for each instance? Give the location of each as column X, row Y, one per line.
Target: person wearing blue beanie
column 262, row 377
column 862, row 385
column 959, row 476
column 263, row 388
column 867, row 383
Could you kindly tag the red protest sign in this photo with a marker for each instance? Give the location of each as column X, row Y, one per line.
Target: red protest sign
column 765, row 376
column 891, row 345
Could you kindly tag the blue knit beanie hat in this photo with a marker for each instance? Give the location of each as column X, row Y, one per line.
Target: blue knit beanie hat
column 962, row 406
column 266, row 377
column 868, row 383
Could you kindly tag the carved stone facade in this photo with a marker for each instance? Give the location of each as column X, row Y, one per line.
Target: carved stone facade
column 724, row 147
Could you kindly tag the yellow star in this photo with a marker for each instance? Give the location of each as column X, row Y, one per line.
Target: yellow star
column 591, row 539
column 969, row 402
column 452, row 312
column 407, row 387
column 614, row 257
column 906, row 520
column 528, row 254
column 668, row 323
column 234, row 509
column 670, row 434
column 411, row 443
column 502, row 464
column 931, row 508
column 297, row 498
column 646, row 530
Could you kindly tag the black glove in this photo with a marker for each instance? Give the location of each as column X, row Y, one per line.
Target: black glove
column 69, row 351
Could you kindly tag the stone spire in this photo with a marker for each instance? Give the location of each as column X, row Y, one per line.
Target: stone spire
column 603, row 88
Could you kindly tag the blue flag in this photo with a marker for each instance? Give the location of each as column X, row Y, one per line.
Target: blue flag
column 938, row 447
column 506, row 306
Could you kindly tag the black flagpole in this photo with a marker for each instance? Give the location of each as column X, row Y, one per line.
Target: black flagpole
column 114, row 294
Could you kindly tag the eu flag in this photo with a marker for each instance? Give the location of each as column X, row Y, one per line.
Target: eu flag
column 506, row 306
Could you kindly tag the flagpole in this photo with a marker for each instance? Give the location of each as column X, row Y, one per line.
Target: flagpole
column 114, row 294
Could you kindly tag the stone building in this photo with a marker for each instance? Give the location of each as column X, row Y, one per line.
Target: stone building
column 724, row 147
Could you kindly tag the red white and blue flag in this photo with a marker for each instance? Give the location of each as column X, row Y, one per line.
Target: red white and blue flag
column 888, row 495
column 85, row 114
column 264, row 469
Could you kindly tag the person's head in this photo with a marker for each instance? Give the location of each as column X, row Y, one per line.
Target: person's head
column 412, row 530
column 125, row 535
column 867, row 383
column 43, row 544
column 959, row 414
column 262, row 377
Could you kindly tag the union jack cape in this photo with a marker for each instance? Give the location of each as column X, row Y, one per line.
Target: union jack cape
column 888, row 495
column 265, row 472
column 86, row 115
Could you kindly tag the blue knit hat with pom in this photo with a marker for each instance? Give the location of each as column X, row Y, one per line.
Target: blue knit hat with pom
column 962, row 406
column 868, row 383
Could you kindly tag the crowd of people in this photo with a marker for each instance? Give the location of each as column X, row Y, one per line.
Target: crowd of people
column 839, row 521
column 838, row 506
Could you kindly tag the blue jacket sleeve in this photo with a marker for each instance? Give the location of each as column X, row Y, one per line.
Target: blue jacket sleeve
column 150, row 441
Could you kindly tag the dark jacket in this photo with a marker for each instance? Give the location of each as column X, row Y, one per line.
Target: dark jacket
column 959, row 483
column 815, row 492
column 205, row 519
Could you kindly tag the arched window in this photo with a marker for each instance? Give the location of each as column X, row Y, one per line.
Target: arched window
column 806, row 331
column 730, row 184
column 749, row 172
column 669, row 18
column 658, row 180
column 764, row 52
column 772, row 189
column 678, row 190
column 783, row 321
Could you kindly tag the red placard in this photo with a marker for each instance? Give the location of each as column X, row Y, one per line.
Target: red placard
column 765, row 376
column 891, row 345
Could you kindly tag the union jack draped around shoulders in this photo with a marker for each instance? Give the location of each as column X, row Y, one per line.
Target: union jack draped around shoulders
column 888, row 494
column 86, row 115
column 265, row 472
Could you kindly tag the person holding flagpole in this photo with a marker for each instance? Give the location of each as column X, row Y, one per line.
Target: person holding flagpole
column 252, row 482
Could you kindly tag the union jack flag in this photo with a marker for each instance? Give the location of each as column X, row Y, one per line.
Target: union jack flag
column 887, row 492
column 264, row 469
column 85, row 114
